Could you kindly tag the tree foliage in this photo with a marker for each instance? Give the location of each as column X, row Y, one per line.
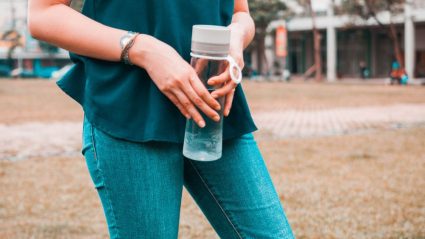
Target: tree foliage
column 265, row 11
column 366, row 9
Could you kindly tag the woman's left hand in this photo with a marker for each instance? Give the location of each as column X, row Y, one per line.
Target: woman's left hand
column 228, row 86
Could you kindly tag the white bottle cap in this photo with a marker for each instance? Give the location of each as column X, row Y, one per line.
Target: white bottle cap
column 208, row 39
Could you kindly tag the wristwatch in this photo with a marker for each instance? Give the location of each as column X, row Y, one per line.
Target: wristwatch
column 126, row 39
column 126, row 43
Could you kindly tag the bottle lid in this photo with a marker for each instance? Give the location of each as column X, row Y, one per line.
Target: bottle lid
column 211, row 40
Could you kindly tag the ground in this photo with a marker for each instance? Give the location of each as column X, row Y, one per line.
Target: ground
column 348, row 161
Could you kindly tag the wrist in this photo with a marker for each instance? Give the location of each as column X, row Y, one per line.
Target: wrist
column 143, row 43
column 127, row 42
column 237, row 32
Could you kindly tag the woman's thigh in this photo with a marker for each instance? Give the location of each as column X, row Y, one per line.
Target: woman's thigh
column 236, row 193
column 139, row 184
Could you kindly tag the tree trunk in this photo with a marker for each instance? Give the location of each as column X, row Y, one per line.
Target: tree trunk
column 317, row 55
column 396, row 45
column 317, row 51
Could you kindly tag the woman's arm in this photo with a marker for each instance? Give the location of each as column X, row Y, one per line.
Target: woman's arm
column 55, row 22
column 242, row 33
column 242, row 26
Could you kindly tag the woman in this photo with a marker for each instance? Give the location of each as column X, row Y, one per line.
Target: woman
column 133, row 80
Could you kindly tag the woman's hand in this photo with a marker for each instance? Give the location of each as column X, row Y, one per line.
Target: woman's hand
column 224, row 80
column 242, row 33
column 175, row 78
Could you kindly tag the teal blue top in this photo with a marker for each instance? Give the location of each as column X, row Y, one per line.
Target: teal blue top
column 122, row 100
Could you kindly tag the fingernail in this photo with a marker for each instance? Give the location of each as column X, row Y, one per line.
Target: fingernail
column 211, row 82
column 217, row 107
column 201, row 124
column 216, row 118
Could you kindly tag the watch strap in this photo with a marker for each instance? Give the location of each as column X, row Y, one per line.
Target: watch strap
column 126, row 46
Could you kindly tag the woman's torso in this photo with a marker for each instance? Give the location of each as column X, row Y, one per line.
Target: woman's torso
column 122, row 100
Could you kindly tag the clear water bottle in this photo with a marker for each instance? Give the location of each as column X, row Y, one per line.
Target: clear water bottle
column 210, row 49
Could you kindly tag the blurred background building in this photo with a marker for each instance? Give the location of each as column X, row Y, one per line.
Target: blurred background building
column 350, row 46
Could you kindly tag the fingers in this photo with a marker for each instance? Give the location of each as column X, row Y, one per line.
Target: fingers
column 228, row 102
column 190, row 108
column 176, row 102
column 202, row 92
column 200, row 103
column 220, row 79
column 229, row 86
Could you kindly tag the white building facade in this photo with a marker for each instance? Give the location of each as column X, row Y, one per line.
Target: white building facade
column 348, row 45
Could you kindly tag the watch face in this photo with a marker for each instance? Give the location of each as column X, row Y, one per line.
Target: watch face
column 126, row 38
column 124, row 41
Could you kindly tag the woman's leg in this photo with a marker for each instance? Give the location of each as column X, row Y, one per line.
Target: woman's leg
column 236, row 193
column 139, row 184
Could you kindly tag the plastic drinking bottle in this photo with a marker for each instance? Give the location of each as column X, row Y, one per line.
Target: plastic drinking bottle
column 210, row 57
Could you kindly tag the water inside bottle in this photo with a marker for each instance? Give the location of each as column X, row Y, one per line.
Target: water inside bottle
column 205, row 144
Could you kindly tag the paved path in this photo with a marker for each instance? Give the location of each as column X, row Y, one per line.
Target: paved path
column 64, row 138
column 336, row 121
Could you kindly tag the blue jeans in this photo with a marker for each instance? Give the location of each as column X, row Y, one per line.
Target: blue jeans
column 140, row 187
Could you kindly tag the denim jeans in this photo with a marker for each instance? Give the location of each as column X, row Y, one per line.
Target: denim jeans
column 140, row 187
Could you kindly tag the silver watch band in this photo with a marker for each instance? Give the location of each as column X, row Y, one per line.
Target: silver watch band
column 126, row 42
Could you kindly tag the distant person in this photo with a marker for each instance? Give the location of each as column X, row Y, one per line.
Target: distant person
column 396, row 73
column 364, row 71
column 134, row 82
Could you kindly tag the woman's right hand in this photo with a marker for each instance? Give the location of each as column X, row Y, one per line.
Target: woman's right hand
column 175, row 78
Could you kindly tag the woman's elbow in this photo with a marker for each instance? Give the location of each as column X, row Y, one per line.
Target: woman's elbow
column 34, row 23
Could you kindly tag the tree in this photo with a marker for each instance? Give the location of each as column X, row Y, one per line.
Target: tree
column 264, row 12
column 317, row 67
column 369, row 9
column 316, row 42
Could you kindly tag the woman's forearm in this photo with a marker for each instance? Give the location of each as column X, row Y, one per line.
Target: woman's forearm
column 242, row 28
column 64, row 27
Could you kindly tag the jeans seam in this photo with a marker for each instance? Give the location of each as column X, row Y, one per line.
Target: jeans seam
column 93, row 142
column 104, row 183
column 216, row 201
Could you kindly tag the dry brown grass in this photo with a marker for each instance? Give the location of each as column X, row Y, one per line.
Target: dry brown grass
column 359, row 186
column 363, row 186
column 35, row 100
column 265, row 96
